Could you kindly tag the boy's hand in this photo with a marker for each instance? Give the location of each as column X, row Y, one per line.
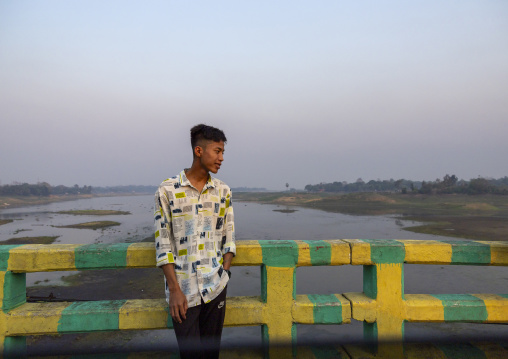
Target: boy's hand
column 177, row 305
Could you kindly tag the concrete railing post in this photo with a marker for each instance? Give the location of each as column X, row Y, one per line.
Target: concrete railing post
column 278, row 292
column 13, row 294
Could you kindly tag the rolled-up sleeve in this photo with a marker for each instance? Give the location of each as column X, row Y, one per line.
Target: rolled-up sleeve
column 163, row 233
column 228, row 234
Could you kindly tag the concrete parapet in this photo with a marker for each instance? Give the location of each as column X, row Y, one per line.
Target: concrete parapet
column 382, row 306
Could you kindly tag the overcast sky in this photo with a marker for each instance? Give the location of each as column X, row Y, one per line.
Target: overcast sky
column 105, row 92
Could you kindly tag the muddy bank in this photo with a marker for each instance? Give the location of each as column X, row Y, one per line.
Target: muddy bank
column 482, row 217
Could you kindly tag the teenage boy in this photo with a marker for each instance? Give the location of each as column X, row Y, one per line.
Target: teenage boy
column 195, row 243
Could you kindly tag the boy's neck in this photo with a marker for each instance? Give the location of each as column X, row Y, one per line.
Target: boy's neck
column 197, row 176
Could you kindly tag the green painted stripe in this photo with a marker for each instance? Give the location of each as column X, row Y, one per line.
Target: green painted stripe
column 14, row 290
column 264, row 284
column 101, row 256
column 462, row 308
column 4, row 255
column 324, row 313
column 279, row 253
column 90, row 316
column 459, row 350
column 386, row 250
column 370, row 332
column 370, row 281
column 320, row 253
column 327, row 352
column 469, row 252
column 14, row 347
column 265, row 340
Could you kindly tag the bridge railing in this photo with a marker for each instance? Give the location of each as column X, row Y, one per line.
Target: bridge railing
column 382, row 306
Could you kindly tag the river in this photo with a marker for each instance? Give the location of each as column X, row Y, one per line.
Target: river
column 258, row 222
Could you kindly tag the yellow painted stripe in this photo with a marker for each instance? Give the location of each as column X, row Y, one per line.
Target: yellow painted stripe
column 341, row 252
column 362, row 307
column 303, row 254
column 141, row 255
column 277, row 312
column 424, row 308
column 346, row 308
column 2, row 281
column 422, row 351
column 427, row 252
column 143, row 314
column 35, row 318
column 42, row 257
column 389, row 287
column 360, row 251
column 390, row 305
column 303, row 310
column 248, row 253
column 305, row 352
column 360, row 351
column 498, row 252
column 243, row 311
column 497, row 307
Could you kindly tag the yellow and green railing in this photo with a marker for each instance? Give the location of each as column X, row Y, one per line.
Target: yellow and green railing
column 382, row 306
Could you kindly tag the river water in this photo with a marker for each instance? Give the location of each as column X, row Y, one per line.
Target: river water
column 258, row 222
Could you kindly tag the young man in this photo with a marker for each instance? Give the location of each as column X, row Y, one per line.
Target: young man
column 195, row 243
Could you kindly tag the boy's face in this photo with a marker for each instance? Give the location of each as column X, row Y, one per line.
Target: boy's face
column 212, row 155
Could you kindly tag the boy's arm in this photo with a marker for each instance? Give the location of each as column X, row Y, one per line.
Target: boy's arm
column 229, row 246
column 164, row 256
column 177, row 300
column 228, row 257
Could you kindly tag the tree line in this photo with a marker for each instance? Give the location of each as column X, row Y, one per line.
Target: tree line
column 41, row 189
column 447, row 185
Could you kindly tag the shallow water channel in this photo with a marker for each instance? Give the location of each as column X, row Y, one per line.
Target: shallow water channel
column 259, row 222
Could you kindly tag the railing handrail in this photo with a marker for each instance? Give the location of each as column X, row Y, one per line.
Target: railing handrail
column 382, row 306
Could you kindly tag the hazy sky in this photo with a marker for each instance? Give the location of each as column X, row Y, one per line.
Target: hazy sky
column 105, row 92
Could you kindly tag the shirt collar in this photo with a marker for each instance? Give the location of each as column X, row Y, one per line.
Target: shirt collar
column 185, row 182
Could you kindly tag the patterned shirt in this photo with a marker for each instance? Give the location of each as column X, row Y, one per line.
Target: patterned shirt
column 194, row 230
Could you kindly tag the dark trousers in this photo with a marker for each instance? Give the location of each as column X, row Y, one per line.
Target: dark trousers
column 199, row 334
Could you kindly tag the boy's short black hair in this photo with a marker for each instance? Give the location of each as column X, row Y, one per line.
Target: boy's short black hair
column 203, row 132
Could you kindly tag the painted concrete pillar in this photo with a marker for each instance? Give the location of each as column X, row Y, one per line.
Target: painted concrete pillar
column 383, row 284
column 278, row 292
column 13, row 294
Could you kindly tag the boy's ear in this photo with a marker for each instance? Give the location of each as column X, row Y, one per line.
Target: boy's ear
column 198, row 151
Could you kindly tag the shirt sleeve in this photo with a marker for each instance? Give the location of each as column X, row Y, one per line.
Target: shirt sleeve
column 163, row 232
column 228, row 235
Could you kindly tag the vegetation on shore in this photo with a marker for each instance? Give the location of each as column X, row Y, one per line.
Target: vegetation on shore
column 91, row 225
column 480, row 217
column 447, row 185
column 94, row 212
column 42, row 189
column 5, row 221
column 22, row 201
column 31, row 240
